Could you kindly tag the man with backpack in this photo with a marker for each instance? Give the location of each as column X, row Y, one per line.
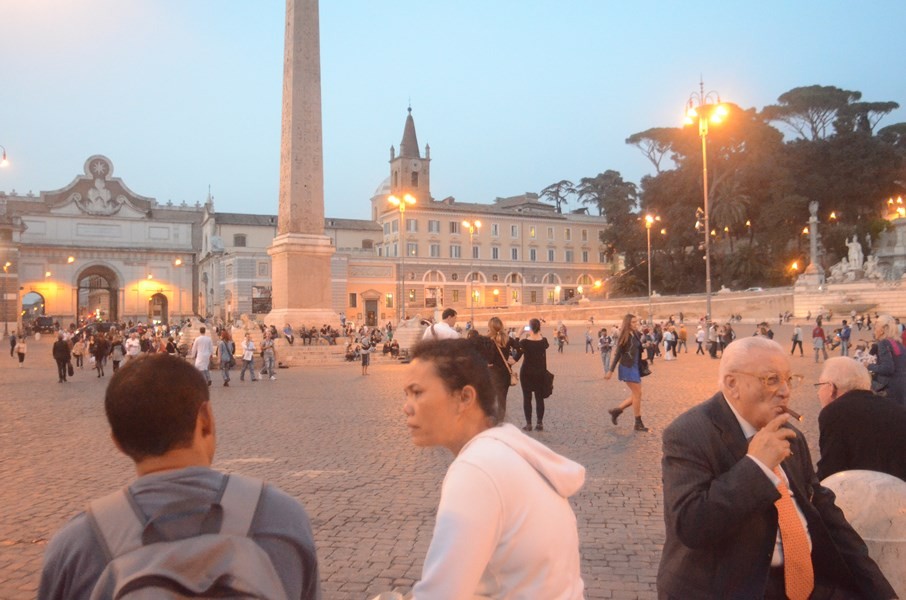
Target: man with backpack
column 181, row 528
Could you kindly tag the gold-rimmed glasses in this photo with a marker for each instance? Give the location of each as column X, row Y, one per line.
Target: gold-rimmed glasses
column 772, row 382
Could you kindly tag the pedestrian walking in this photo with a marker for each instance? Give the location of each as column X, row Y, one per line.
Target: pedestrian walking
column 681, row 336
column 78, row 350
column 501, row 352
column 117, row 352
column 100, row 350
column 62, row 355
column 589, row 346
column 365, row 354
column 819, row 340
column 845, row 335
column 12, row 344
column 797, row 340
column 700, row 340
column 21, row 348
column 202, row 350
column 605, row 346
column 225, row 350
column 628, row 357
column 248, row 358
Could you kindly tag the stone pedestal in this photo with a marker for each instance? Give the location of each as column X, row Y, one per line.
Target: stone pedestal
column 301, row 292
column 875, row 505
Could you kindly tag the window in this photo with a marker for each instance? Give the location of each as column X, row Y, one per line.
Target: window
column 514, row 231
column 531, row 232
column 514, row 253
column 414, row 179
column 475, row 252
column 454, row 226
column 388, row 301
column 435, row 250
column 495, row 277
column 532, row 254
column 495, row 230
column 411, row 249
column 396, row 249
column 412, row 225
column 455, row 251
column 534, row 296
column 395, row 226
column 495, row 253
column 550, row 233
column 585, row 256
column 568, row 256
column 229, row 270
column 433, row 226
column 584, row 235
column 239, row 240
column 455, row 276
column 386, row 228
column 550, row 255
column 455, row 296
column 352, row 300
column 602, row 257
column 264, row 269
column 568, row 234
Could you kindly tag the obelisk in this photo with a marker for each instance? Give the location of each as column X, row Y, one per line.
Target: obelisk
column 301, row 253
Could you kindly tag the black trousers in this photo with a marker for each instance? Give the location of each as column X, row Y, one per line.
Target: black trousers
column 61, row 369
column 527, row 405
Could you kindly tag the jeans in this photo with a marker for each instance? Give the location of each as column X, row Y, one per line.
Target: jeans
column 248, row 365
column 269, row 360
column 225, row 370
column 844, row 348
column 605, row 360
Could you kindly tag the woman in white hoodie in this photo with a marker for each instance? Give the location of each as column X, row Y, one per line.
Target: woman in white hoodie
column 504, row 526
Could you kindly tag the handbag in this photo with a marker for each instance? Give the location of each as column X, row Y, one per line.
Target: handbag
column 514, row 376
column 547, row 388
column 644, row 369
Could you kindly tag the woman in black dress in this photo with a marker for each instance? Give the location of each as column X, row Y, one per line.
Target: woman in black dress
column 534, row 349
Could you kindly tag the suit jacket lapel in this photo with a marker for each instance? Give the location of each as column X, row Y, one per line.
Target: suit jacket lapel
column 731, row 434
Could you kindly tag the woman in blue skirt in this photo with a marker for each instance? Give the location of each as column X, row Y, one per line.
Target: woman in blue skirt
column 627, row 355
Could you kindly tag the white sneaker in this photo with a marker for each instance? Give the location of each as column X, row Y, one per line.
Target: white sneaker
column 273, row 378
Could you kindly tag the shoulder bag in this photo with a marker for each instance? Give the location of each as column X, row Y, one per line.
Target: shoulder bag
column 514, row 376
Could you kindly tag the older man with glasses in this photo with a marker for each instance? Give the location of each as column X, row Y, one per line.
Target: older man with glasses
column 745, row 514
column 858, row 429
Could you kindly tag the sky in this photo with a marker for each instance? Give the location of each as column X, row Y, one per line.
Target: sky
column 511, row 95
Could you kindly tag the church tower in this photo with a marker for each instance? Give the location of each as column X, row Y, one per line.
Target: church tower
column 409, row 172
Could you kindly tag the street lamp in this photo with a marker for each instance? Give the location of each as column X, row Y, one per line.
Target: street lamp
column 705, row 108
column 649, row 221
column 6, row 267
column 473, row 227
column 401, row 203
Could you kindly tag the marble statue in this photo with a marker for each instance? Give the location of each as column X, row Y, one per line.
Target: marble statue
column 855, row 253
column 871, row 268
column 838, row 271
column 813, row 208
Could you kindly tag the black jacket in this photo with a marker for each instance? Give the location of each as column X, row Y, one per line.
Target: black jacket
column 629, row 353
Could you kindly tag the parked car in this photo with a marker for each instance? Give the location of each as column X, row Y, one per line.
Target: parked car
column 754, row 289
column 43, row 324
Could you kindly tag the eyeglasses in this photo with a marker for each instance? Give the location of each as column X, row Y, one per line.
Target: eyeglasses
column 820, row 383
column 772, row 382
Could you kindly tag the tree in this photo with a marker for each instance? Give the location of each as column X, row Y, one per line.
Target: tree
column 559, row 192
column 607, row 192
column 810, row 110
column 654, row 143
column 862, row 117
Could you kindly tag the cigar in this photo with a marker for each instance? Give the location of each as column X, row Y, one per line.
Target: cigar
column 793, row 413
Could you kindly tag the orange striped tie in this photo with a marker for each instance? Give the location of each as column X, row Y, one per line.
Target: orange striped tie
column 798, row 575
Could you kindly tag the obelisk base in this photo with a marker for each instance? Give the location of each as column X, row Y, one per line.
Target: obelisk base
column 301, row 292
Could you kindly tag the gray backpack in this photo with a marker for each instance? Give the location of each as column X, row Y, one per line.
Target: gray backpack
column 158, row 557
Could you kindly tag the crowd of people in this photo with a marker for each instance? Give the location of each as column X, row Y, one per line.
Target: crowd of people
column 741, row 497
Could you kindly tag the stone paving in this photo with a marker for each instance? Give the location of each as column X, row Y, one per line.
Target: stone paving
column 337, row 441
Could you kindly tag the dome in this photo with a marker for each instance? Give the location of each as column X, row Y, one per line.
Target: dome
column 383, row 189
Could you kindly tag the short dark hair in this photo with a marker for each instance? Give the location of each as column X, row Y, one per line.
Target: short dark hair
column 448, row 312
column 152, row 404
column 459, row 364
column 534, row 325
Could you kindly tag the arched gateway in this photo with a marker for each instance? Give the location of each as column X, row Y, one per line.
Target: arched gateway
column 98, row 293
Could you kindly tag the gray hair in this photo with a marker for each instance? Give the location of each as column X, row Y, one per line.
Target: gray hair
column 736, row 357
column 846, row 374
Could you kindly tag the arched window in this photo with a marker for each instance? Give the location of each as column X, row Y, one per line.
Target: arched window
column 415, row 179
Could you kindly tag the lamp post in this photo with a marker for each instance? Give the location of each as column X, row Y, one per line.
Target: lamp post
column 649, row 221
column 473, row 227
column 705, row 108
column 401, row 203
column 6, row 267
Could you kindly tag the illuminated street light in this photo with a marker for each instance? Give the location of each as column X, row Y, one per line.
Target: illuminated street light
column 473, row 227
column 649, row 221
column 401, row 203
column 705, row 108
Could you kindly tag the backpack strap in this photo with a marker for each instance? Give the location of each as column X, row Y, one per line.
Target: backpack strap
column 117, row 523
column 240, row 504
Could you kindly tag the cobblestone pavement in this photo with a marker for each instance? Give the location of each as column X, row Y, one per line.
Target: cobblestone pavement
column 337, row 441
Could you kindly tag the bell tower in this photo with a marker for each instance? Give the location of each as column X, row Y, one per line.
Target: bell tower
column 410, row 173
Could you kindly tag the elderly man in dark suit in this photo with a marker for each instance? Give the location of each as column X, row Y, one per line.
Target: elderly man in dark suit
column 859, row 430
column 745, row 513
